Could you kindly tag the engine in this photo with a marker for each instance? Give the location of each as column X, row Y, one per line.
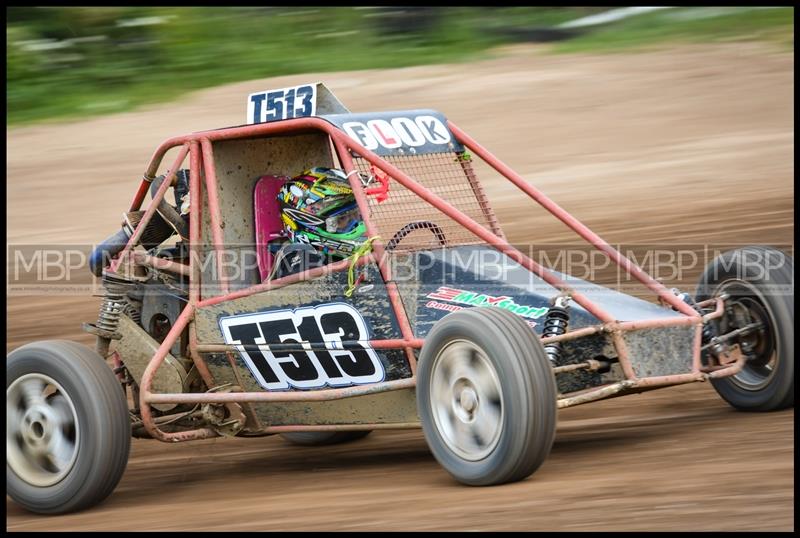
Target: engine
column 141, row 304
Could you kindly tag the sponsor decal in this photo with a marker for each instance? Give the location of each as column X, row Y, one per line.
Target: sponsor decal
column 347, row 359
column 400, row 131
column 443, row 306
column 283, row 104
column 470, row 298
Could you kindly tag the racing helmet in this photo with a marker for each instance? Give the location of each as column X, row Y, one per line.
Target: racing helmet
column 318, row 208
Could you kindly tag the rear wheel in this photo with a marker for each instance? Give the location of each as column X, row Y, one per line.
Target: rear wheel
column 67, row 427
column 486, row 396
column 759, row 283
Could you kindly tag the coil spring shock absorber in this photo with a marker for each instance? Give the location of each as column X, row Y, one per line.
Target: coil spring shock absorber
column 708, row 332
column 555, row 324
column 114, row 303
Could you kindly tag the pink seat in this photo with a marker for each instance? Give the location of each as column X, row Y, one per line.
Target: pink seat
column 268, row 222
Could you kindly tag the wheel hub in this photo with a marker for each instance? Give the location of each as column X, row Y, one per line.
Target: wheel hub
column 467, row 400
column 41, row 430
column 37, row 427
column 759, row 345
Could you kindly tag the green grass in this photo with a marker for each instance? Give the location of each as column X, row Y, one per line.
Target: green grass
column 662, row 28
column 202, row 47
column 113, row 67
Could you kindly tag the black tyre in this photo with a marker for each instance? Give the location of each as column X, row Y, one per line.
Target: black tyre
column 759, row 281
column 68, row 432
column 486, row 396
column 324, row 438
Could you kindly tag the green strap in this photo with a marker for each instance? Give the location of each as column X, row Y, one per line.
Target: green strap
column 364, row 249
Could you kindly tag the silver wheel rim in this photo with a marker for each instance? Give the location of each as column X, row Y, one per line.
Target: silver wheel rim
column 466, row 398
column 754, row 377
column 42, row 431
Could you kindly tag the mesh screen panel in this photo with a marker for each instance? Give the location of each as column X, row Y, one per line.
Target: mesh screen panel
column 414, row 223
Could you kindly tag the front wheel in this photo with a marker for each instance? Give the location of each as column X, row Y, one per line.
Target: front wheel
column 759, row 283
column 486, row 396
column 68, row 431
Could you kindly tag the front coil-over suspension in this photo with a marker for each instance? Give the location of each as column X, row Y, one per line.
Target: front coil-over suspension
column 113, row 305
column 555, row 324
column 709, row 332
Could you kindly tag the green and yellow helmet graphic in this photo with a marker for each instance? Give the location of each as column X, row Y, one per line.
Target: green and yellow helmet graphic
column 318, row 208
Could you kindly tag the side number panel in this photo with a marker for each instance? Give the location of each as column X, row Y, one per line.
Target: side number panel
column 347, row 359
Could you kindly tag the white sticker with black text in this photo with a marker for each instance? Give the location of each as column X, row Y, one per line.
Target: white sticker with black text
column 283, row 104
column 397, row 132
column 347, row 359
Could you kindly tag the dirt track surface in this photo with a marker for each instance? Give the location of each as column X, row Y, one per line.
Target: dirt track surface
column 691, row 145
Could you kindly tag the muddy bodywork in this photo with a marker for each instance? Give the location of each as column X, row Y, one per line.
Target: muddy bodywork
column 439, row 282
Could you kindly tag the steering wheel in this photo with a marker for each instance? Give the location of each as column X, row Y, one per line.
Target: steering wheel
column 417, row 225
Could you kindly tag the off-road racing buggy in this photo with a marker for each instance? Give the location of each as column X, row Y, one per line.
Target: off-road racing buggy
column 411, row 326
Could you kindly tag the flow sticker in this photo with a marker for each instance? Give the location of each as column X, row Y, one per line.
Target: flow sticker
column 399, row 133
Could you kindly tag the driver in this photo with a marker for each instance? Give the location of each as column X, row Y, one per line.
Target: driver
column 318, row 208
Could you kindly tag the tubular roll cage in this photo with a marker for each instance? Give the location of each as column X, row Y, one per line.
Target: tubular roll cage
column 198, row 147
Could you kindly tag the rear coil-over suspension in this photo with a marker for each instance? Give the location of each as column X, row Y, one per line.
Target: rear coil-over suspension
column 555, row 324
